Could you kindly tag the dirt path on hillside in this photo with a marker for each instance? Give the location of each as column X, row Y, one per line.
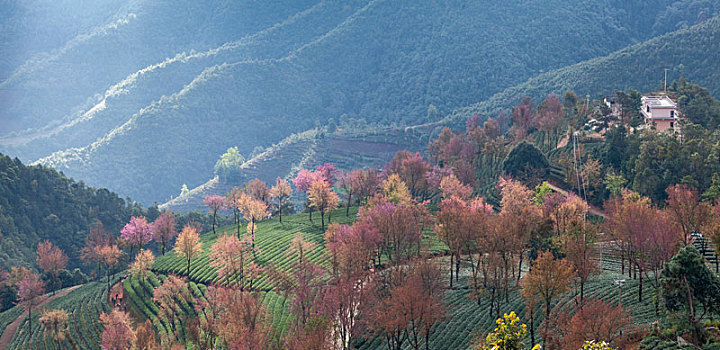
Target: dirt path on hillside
column 593, row 209
column 418, row 126
column 116, row 296
column 10, row 330
column 563, row 142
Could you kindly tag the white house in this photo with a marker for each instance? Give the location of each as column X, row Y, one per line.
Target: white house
column 660, row 111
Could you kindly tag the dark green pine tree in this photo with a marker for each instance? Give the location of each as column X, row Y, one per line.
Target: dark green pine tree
column 690, row 288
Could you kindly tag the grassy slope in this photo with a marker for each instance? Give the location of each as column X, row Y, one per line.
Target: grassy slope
column 272, row 238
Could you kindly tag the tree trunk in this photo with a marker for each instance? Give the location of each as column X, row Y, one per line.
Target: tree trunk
column 214, row 217
column 629, row 268
column 475, row 270
column 280, row 210
column 520, row 267
column 505, row 278
column 457, row 268
column 252, row 233
column 640, row 287
column 492, row 300
column 547, row 318
column 322, row 220
column 532, row 327
column 188, row 268
column 691, row 316
column 451, row 269
column 347, row 208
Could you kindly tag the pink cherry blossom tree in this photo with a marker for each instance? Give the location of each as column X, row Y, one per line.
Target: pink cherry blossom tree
column 137, row 233
column 164, row 228
column 329, row 172
column 214, row 203
column 302, row 182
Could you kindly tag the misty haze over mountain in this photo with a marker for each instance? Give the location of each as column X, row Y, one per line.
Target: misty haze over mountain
column 142, row 97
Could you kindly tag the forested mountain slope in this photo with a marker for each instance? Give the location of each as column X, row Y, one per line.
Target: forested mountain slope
column 51, row 78
column 184, row 88
column 38, row 203
column 688, row 53
column 684, row 52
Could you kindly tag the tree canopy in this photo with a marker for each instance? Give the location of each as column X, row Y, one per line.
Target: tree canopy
column 527, row 163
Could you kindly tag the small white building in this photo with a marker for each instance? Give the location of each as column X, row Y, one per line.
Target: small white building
column 613, row 105
column 660, row 111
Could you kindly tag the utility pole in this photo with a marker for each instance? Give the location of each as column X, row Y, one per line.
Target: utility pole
column 619, row 283
column 666, row 80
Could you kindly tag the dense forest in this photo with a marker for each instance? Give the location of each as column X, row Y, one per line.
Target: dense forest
column 38, row 203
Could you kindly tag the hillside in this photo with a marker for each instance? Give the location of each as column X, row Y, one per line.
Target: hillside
column 84, row 303
column 251, row 75
column 347, row 150
column 684, row 52
column 456, row 331
column 38, row 203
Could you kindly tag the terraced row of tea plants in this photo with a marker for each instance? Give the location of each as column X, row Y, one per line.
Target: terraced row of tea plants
column 466, row 318
column 272, row 238
column 8, row 316
column 83, row 305
column 464, row 315
column 139, row 293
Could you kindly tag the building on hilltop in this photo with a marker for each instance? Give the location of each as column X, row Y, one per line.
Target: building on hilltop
column 611, row 102
column 661, row 112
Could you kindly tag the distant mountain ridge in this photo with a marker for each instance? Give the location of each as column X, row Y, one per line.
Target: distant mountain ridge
column 283, row 68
